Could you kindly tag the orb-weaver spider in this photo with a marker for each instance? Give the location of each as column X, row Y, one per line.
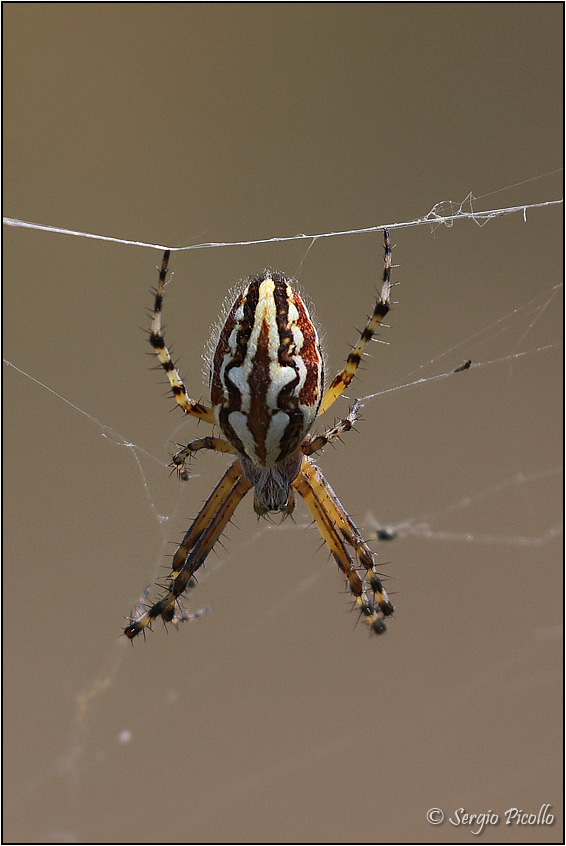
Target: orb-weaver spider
column 267, row 389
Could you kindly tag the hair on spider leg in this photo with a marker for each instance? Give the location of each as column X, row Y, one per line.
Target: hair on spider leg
column 220, row 543
column 288, row 515
column 385, row 577
column 132, row 623
column 176, row 613
column 162, row 589
column 179, row 466
column 377, row 625
column 270, row 517
column 180, row 470
column 381, row 341
column 166, row 566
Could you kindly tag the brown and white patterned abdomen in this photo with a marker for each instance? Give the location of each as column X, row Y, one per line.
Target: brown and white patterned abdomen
column 267, row 371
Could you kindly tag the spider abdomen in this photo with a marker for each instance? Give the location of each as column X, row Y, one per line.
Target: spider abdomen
column 267, row 371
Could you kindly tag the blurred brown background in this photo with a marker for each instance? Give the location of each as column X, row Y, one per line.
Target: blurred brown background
column 275, row 718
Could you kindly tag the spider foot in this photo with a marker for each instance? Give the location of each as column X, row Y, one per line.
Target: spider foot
column 179, row 463
column 168, row 607
column 373, row 614
column 138, row 626
column 182, row 472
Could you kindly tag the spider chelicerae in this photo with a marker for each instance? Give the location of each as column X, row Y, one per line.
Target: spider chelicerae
column 267, row 389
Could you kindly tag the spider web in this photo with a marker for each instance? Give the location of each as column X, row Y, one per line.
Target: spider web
column 512, row 348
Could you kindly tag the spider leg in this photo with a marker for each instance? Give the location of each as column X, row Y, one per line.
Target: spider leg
column 217, row 444
column 349, row 531
column 195, row 546
column 345, row 376
column 316, row 443
column 336, row 528
column 157, row 341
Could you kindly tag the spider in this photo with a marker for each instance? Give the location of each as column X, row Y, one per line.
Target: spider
column 267, row 389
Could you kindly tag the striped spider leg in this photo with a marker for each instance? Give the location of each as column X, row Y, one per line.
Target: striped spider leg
column 179, row 459
column 157, row 341
column 267, row 389
column 180, row 615
column 195, row 546
column 381, row 309
column 317, row 493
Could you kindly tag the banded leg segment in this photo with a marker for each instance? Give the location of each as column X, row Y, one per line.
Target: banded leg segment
column 345, row 376
column 311, row 485
column 157, row 341
column 318, row 442
column 349, row 531
column 215, row 444
column 196, row 545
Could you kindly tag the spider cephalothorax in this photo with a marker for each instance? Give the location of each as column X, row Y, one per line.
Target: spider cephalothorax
column 267, row 389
